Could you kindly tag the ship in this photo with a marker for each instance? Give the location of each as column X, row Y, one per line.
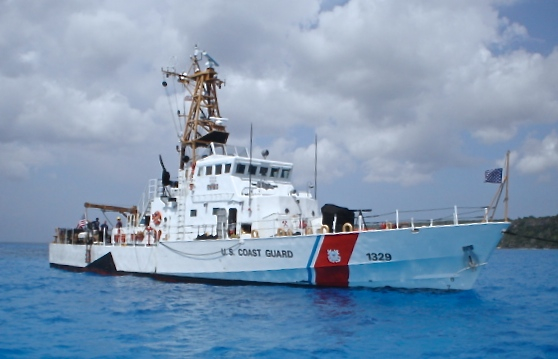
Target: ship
column 233, row 218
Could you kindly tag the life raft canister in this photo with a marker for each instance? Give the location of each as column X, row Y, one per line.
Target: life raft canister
column 156, row 218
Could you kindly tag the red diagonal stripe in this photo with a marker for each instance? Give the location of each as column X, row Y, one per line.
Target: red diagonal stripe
column 328, row 271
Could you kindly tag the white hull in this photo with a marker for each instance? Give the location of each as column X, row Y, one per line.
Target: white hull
column 438, row 257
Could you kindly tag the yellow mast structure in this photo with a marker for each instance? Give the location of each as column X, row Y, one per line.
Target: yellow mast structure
column 203, row 123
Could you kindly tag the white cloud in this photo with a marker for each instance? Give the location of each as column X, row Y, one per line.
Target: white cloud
column 18, row 159
column 399, row 94
column 539, row 155
column 396, row 89
column 100, row 42
column 59, row 114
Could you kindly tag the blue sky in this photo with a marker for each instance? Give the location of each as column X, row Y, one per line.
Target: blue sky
column 411, row 101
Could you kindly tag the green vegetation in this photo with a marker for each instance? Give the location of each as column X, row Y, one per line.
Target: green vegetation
column 531, row 232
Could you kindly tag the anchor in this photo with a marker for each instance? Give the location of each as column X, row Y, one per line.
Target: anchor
column 470, row 257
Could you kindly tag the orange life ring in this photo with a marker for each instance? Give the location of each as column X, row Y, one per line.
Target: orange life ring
column 156, row 217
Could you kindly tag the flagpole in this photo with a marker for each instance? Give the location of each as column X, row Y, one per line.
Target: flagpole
column 250, row 174
column 496, row 200
column 316, row 167
column 492, row 177
column 506, row 199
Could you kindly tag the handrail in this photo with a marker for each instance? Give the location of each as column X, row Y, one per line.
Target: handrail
column 385, row 221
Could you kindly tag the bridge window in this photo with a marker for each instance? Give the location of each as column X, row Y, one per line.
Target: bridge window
column 263, row 171
column 218, row 169
column 242, row 152
column 240, row 168
column 231, row 150
column 252, row 169
column 227, row 168
column 208, row 170
column 274, row 172
column 219, row 149
column 285, row 173
column 193, row 213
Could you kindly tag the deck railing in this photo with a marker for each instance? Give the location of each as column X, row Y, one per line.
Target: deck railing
column 427, row 217
column 154, row 188
column 276, row 226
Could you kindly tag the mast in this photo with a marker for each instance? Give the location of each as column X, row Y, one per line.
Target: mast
column 316, row 166
column 203, row 123
column 507, row 181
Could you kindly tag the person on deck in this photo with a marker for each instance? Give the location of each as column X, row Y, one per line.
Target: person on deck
column 118, row 222
column 104, row 227
column 96, row 224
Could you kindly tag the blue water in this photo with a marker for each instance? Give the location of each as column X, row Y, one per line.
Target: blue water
column 51, row 313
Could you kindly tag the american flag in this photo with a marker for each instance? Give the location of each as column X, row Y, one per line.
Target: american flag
column 493, row 176
column 82, row 222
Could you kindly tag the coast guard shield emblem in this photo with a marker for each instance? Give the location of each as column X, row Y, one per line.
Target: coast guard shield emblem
column 333, row 256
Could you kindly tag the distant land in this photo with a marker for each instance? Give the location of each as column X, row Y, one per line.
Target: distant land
column 532, row 232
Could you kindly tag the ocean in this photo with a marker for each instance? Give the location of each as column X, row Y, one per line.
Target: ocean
column 50, row 313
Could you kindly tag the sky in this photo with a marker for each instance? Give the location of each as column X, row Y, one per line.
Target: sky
column 410, row 101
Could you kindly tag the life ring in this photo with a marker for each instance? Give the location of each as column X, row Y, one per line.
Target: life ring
column 324, row 228
column 156, row 217
column 347, row 227
column 255, row 233
column 308, row 230
column 289, row 232
column 280, row 232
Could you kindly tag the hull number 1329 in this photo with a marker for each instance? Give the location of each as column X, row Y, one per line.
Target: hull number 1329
column 379, row 257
